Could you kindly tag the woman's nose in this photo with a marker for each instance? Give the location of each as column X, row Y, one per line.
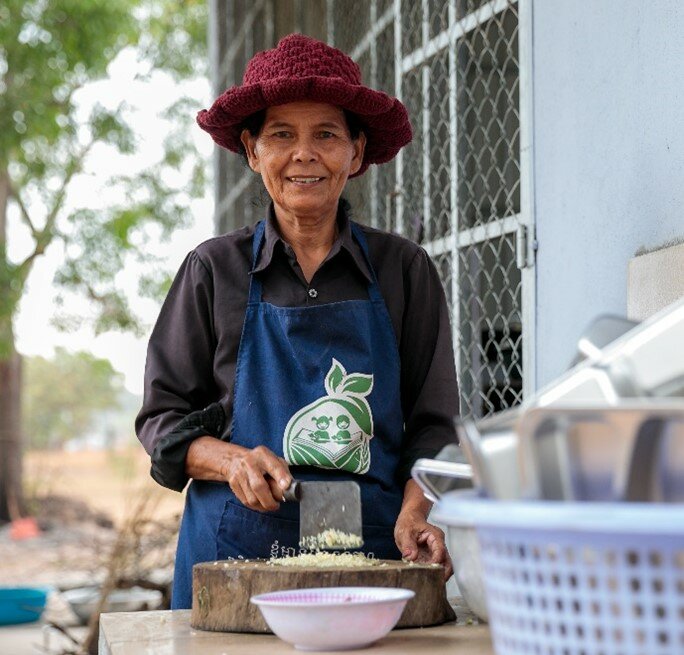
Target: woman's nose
column 304, row 151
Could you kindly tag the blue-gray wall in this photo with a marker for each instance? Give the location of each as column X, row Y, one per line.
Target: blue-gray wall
column 608, row 84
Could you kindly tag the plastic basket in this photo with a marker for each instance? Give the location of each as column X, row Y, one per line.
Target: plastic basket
column 578, row 578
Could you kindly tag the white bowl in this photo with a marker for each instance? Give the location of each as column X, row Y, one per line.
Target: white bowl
column 333, row 618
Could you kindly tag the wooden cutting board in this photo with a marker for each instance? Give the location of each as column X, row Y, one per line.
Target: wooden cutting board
column 221, row 590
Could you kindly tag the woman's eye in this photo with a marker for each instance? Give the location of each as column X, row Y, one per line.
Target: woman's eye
column 282, row 134
column 325, row 134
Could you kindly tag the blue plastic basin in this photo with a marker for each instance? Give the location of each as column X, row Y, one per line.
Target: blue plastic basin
column 21, row 604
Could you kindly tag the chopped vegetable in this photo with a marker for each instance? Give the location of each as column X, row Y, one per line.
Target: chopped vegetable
column 332, row 538
column 325, row 560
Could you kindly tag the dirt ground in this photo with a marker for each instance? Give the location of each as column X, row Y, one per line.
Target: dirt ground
column 93, row 508
column 81, row 500
column 108, row 481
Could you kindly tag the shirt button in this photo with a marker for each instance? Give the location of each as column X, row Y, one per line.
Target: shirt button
column 313, row 293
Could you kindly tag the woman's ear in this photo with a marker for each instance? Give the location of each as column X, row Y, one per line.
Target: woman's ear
column 249, row 143
column 359, row 145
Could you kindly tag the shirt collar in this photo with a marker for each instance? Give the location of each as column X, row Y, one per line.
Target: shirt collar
column 345, row 240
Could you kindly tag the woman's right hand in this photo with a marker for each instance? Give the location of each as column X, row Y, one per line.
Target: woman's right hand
column 257, row 476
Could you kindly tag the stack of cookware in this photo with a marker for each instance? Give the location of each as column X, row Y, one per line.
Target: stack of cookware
column 572, row 537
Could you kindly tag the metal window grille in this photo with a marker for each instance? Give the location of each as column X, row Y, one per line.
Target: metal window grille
column 461, row 188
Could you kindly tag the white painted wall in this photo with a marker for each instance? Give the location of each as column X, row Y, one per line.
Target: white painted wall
column 608, row 156
column 656, row 280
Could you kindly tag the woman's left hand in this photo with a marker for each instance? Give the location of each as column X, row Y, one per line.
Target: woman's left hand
column 420, row 541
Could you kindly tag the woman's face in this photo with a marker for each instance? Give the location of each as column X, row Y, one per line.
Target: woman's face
column 304, row 154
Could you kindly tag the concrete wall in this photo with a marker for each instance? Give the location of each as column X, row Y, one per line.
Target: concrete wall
column 608, row 156
column 656, row 280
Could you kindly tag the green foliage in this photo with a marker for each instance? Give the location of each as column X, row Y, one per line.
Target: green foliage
column 109, row 127
column 174, row 36
column 62, row 395
column 48, row 51
column 155, row 284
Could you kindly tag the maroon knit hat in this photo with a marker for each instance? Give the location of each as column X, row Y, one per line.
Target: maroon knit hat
column 302, row 68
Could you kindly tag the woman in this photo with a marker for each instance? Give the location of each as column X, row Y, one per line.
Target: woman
column 320, row 349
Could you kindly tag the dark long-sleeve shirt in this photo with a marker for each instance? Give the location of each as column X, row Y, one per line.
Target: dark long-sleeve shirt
column 192, row 353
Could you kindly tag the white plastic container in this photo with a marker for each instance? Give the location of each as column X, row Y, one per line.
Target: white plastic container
column 578, row 578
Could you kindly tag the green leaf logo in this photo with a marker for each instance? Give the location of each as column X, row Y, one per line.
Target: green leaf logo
column 358, row 383
column 335, row 375
column 335, row 430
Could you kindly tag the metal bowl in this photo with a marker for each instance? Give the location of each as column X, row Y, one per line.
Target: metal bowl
column 465, row 555
column 433, row 476
column 84, row 600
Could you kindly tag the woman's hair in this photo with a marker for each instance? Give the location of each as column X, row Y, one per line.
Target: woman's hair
column 255, row 122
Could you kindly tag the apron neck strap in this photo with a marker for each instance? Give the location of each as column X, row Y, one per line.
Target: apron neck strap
column 255, row 282
column 258, row 240
column 373, row 288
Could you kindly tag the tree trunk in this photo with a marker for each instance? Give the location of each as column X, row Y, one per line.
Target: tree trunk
column 11, row 496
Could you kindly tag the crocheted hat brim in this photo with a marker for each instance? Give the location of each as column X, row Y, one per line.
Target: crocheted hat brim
column 384, row 119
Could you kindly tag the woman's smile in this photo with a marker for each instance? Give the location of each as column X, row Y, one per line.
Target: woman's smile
column 304, row 181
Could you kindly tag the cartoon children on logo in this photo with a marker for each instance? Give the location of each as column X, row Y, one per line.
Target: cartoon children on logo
column 335, row 430
column 322, row 423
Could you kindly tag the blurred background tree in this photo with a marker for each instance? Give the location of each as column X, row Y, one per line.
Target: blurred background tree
column 63, row 395
column 48, row 52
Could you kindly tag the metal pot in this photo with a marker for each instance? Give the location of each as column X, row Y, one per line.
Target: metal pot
column 462, row 541
column 631, row 451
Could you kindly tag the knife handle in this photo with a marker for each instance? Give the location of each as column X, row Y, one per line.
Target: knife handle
column 293, row 493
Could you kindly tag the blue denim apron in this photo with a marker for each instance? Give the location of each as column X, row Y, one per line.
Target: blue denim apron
column 320, row 386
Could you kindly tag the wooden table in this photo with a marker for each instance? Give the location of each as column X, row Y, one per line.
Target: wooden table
column 169, row 633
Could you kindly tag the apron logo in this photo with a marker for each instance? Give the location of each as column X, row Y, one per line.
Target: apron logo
column 334, row 431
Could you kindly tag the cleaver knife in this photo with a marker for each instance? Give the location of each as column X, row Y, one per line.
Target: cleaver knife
column 326, row 507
